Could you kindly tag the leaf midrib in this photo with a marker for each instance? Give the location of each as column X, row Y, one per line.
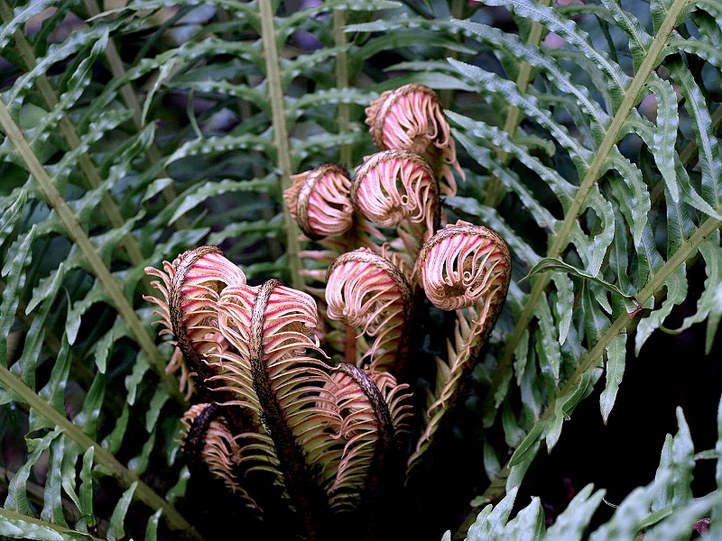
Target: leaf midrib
column 562, row 237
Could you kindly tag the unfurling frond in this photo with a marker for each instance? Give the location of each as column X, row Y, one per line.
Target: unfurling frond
column 272, row 328
column 208, row 440
column 466, row 268
column 189, row 286
column 367, row 291
column 372, row 414
column 463, row 265
column 411, row 118
column 320, row 201
column 397, row 186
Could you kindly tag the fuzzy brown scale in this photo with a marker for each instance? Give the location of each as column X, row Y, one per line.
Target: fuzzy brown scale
column 194, row 442
column 293, row 464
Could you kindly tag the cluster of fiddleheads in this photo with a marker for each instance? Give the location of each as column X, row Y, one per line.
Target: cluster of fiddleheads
column 313, row 413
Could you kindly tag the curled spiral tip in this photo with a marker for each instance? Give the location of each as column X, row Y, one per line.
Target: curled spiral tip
column 188, row 288
column 396, row 185
column 361, row 286
column 411, row 118
column 463, row 265
column 319, row 200
column 368, row 291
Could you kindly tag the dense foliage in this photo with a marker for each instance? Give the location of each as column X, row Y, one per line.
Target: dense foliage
column 588, row 138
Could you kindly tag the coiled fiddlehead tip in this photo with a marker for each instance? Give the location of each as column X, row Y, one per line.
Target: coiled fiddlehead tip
column 411, row 118
column 319, row 201
column 396, row 185
column 465, row 264
column 188, row 288
column 368, row 291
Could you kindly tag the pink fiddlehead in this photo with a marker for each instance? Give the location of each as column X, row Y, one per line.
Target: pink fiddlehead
column 464, row 268
column 411, row 118
column 397, row 188
column 369, row 292
column 209, row 443
column 188, row 288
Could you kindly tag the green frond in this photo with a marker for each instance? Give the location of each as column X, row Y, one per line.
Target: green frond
column 664, row 509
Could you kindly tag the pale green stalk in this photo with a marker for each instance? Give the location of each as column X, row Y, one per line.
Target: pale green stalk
column 280, row 134
column 448, row 95
column 494, row 191
column 342, row 81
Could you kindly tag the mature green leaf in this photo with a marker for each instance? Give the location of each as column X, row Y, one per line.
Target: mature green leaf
column 117, row 520
column 614, row 370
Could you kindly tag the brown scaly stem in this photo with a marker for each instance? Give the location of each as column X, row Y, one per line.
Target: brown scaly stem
column 386, row 461
column 349, row 344
column 299, row 483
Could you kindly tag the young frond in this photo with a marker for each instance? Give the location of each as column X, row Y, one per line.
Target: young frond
column 368, row 292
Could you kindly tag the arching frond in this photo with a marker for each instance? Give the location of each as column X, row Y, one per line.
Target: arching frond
column 465, row 268
column 367, row 291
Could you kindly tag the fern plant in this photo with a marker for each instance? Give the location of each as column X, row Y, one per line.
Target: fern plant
column 136, row 131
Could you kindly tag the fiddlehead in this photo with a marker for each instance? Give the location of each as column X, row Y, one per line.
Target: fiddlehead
column 326, row 436
column 188, row 287
column 208, row 442
column 397, row 188
column 271, row 328
column 374, row 416
column 319, row 201
column 332, row 438
column 411, row 118
column 367, row 291
column 465, row 268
